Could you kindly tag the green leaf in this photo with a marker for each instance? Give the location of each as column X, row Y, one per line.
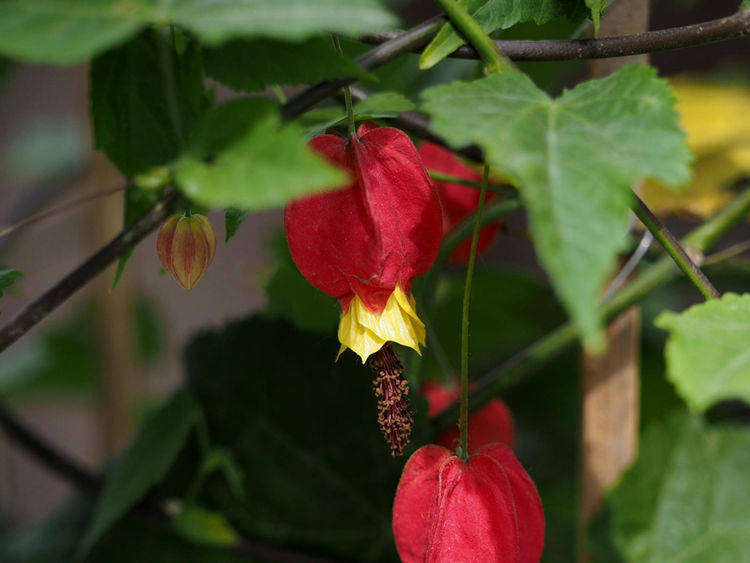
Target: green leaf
column 138, row 202
column 497, row 14
column 241, row 156
column 8, row 277
column 686, row 497
column 254, row 65
column 233, row 218
column 71, row 31
column 143, row 464
column 573, row 159
column 144, row 101
column 708, row 351
column 204, row 527
column 317, row 470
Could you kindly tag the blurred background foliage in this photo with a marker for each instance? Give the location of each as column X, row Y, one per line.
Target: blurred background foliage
column 280, row 444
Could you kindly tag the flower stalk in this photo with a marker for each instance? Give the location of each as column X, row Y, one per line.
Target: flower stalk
column 463, row 418
column 489, row 52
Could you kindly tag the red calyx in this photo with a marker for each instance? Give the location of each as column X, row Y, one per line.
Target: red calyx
column 492, row 423
column 381, row 230
column 484, row 510
column 458, row 201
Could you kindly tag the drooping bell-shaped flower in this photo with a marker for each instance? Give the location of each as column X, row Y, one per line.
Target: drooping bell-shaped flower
column 482, row 510
column 491, row 423
column 365, row 243
column 185, row 246
column 458, row 201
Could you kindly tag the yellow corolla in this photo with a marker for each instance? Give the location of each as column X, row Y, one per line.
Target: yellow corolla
column 365, row 332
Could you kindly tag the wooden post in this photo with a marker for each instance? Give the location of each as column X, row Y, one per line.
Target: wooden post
column 610, row 382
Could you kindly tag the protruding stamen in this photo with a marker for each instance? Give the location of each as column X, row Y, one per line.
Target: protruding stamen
column 392, row 391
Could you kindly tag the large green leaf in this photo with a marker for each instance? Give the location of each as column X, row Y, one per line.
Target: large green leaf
column 144, row 100
column 573, row 159
column 71, row 31
column 241, row 156
column 686, row 498
column 708, row 351
column 508, row 311
column 303, row 429
column 498, row 14
column 142, row 465
column 253, row 65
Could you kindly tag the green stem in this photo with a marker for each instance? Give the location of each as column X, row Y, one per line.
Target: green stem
column 347, row 92
column 505, row 189
column 279, row 93
column 675, row 250
column 463, row 418
column 489, row 52
column 524, row 363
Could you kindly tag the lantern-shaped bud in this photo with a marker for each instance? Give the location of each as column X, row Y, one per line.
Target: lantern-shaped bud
column 492, row 423
column 366, row 242
column 484, row 510
column 186, row 246
column 458, row 201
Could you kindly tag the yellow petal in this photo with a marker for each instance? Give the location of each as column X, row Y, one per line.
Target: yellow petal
column 365, row 332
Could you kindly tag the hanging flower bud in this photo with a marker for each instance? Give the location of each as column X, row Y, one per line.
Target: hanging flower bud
column 492, row 423
column 485, row 509
column 186, row 246
column 459, row 201
column 365, row 243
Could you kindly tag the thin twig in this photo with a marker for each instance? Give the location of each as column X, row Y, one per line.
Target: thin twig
column 55, row 460
column 670, row 243
column 622, row 276
column 730, row 252
column 731, row 27
column 63, row 289
column 385, row 52
column 8, row 229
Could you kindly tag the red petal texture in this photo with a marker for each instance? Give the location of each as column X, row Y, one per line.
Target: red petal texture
column 186, row 247
column 492, row 423
column 484, row 510
column 383, row 229
column 458, row 201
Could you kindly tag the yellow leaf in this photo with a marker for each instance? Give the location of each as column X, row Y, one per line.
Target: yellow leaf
column 720, row 138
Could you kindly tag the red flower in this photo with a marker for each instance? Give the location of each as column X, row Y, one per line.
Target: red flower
column 483, row 510
column 458, row 201
column 492, row 423
column 365, row 243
